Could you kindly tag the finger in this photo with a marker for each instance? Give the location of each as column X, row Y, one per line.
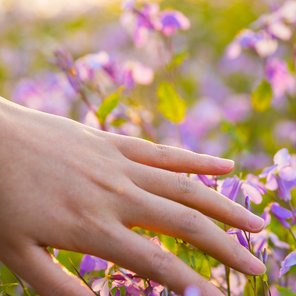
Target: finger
column 170, row 158
column 138, row 254
column 37, row 267
column 195, row 194
column 168, row 217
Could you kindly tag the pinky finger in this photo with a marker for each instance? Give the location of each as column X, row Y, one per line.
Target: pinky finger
column 143, row 257
column 37, row 267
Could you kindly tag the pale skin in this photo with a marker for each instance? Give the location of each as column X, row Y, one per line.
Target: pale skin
column 72, row 187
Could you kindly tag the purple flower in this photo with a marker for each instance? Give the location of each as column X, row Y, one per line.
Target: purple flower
column 253, row 189
column 281, row 214
column 288, row 262
column 49, row 92
column 241, row 238
column 260, row 42
column 136, row 73
column 171, row 21
column 247, row 202
column 231, row 187
column 101, row 285
column 278, row 75
column 282, row 175
column 66, row 63
column 91, row 263
column 96, row 68
column 141, row 22
column 209, row 181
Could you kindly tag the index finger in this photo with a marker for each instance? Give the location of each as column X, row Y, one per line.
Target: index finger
column 169, row 157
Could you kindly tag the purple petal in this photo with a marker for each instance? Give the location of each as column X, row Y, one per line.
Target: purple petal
column 284, row 189
column 288, row 173
column 268, row 171
column 231, row 187
column 280, row 212
column 287, row 263
column 208, row 181
column 242, row 240
column 252, row 192
column 277, row 242
column 282, row 158
column 91, row 263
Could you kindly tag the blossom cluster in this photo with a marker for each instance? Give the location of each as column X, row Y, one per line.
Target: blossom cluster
column 151, row 85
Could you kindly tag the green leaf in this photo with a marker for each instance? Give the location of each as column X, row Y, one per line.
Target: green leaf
column 178, row 59
column 108, row 105
column 196, row 259
column 285, row 291
column 262, row 96
column 170, row 104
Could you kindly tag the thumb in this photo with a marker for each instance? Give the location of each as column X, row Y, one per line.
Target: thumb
column 39, row 269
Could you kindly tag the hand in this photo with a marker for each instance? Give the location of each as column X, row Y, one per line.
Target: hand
column 72, row 187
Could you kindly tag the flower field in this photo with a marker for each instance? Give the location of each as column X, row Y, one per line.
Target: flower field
column 214, row 77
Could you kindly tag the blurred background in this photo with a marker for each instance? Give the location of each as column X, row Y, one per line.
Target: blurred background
column 220, row 118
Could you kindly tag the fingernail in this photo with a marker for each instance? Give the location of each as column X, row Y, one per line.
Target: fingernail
column 255, row 222
column 257, row 267
column 227, row 163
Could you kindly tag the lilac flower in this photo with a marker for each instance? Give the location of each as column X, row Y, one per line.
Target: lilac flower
column 253, row 189
column 280, row 30
column 209, row 181
column 91, row 263
column 241, row 238
column 278, row 75
column 171, row 21
column 65, row 62
column 288, row 262
column 136, row 73
column 97, row 67
column 288, row 12
column 101, row 285
column 49, row 92
column 259, row 42
column 247, row 203
column 231, row 187
column 282, row 175
column 281, row 214
column 141, row 22
column 263, row 240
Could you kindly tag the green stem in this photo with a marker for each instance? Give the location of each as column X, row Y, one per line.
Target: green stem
column 255, row 285
column 293, row 235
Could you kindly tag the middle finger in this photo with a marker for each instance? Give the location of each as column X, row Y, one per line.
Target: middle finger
column 195, row 194
column 171, row 218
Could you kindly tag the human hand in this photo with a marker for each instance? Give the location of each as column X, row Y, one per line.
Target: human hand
column 72, row 187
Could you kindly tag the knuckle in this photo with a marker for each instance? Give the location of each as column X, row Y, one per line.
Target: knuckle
column 161, row 264
column 184, row 184
column 162, row 152
column 189, row 222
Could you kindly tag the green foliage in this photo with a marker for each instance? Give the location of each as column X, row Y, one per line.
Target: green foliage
column 178, row 59
column 170, row 104
column 285, row 291
column 108, row 105
column 262, row 96
column 196, row 259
